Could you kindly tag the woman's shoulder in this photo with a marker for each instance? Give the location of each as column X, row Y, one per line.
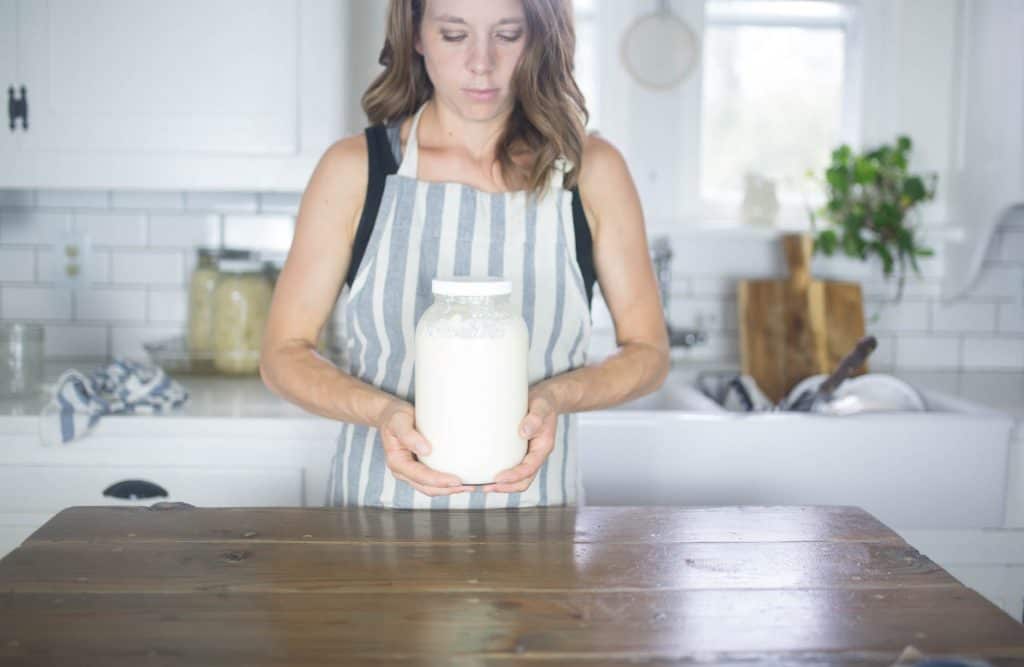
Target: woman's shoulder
column 602, row 165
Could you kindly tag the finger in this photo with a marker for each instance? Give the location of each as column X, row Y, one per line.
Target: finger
column 516, row 487
column 407, row 435
column 401, row 461
column 435, row 490
column 539, row 412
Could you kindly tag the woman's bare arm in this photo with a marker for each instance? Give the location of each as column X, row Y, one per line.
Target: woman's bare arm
column 628, row 285
column 308, row 287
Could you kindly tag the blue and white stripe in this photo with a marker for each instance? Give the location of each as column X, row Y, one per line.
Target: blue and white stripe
column 427, row 229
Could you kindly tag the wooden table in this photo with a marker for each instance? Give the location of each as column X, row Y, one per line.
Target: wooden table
column 174, row 584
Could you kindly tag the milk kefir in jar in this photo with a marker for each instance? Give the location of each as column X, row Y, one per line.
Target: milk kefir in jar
column 471, row 378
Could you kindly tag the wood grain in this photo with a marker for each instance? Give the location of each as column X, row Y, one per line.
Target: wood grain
column 594, row 586
column 795, row 327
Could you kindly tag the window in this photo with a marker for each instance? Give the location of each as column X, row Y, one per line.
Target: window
column 775, row 97
column 586, row 58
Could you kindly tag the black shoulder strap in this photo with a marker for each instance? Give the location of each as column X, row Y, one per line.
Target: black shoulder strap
column 381, row 162
column 584, row 244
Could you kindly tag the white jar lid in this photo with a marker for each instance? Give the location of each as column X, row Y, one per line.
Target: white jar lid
column 468, row 286
column 239, row 265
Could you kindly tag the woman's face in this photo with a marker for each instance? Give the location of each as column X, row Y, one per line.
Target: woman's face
column 471, row 49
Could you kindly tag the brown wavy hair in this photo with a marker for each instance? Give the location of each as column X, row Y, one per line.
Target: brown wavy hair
column 549, row 115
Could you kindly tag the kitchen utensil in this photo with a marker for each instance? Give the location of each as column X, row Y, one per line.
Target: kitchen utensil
column 809, row 399
column 659, row 49
column 795, row 327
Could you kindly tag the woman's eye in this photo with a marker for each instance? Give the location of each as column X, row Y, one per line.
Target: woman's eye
column 453, row 36
column 510, row 36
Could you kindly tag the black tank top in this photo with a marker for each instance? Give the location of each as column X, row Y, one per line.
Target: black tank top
column 383, row 149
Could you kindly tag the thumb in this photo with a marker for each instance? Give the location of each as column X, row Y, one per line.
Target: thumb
column 539, row 410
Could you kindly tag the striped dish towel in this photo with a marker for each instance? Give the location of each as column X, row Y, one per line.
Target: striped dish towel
column 122, row 387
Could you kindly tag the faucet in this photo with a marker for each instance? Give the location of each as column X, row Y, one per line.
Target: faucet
column 661, row 258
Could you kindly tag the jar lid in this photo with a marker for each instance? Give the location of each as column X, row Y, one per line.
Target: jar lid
column 468, row 286
column 239, row 265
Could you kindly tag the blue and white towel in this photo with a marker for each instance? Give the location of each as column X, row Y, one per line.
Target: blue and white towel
column 122, row 387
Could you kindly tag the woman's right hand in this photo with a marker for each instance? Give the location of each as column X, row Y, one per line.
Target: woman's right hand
column 401, row 440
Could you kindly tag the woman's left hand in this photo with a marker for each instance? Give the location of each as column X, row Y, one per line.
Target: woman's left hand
column 539, row 427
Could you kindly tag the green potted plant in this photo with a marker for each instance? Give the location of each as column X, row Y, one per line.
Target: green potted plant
column 869, row 198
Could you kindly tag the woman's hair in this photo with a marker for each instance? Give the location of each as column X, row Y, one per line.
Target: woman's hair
column 549, row 115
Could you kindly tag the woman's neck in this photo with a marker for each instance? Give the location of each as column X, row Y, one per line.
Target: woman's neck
column 446, row 130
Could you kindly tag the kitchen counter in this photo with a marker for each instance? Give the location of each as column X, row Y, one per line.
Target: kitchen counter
column 248, row 398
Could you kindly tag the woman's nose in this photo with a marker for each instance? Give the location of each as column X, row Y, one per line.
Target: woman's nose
column 481, row 60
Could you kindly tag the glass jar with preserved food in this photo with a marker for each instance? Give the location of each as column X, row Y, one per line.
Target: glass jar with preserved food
column 241, row 303
column 200, row 302
column 471, row 378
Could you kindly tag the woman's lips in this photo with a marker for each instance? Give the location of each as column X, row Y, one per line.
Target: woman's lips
column 482, row 94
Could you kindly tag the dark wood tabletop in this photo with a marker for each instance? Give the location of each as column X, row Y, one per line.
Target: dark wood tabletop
column 176, row 584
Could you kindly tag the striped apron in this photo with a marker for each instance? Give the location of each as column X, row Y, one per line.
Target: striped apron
column 427, row 229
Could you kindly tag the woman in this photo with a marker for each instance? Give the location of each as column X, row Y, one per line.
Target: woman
column 468, row 168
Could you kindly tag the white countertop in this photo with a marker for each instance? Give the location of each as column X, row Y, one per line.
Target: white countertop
column 213, row 397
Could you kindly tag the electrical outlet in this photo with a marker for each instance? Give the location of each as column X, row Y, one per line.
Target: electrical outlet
column 72, row 259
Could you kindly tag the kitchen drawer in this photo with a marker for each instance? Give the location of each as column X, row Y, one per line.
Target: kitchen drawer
column 51, row 488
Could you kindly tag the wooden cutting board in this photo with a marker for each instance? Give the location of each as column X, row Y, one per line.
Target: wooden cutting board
column 797, row 326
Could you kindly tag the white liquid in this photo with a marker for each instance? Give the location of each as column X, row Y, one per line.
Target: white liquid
column 471, row 393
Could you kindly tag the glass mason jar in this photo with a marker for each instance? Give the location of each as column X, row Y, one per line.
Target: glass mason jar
column 241, row 303
column 200, row 302
column 21, row 359
column 471, row 370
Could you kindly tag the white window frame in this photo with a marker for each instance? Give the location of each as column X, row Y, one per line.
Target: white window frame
column 792, row 212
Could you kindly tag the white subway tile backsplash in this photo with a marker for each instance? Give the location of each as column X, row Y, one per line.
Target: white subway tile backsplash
column 36, row 303
column 17, row 264
column 993, row 388
column 149, row 267
column 715, row 314
column 113, row 229
column 185, row 231
column 147, row 200
column 1011, row 246
column 280, row 202
column 712, row 286
column 28, row 226
column 126, row 341
column 1006, row 282
column 947, row 382
column 110, row 305
column 907, row 315
column 1011, row 318
column 884, row 356
column 137, row 281
column 240, row 202
column 76, row 341
column 260, row 232
column 17, row 198
column 73, row 199
column 928, row 352
column 96, row 272
column 994, row 352
column 168, row 305
column 962, row 315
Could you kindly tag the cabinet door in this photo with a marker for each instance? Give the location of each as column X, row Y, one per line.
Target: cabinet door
column 8, row 72
column 51, row 488
column 189, row 95
column 191, row 76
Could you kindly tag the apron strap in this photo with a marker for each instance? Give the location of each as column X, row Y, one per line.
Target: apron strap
column 411, row 158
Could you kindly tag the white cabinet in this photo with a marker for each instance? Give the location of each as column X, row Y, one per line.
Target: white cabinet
column 8, row 71
column 203, row 462
column 196, row 94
